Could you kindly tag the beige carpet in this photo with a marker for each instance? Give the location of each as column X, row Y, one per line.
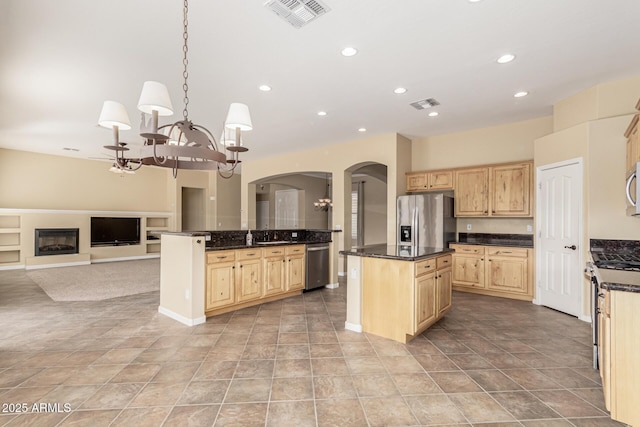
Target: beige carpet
column 99, row 281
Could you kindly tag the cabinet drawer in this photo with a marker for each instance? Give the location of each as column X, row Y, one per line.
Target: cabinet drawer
column 249, row 254
column 468, row 249
column 294, row 250
column 220, row 256
column 426, row 266
column 443, row 262
column 274, row 252
column 511, row 252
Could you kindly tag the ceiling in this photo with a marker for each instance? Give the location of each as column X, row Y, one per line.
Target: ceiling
column 59, row 60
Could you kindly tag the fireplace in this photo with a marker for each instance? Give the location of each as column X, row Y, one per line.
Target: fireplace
column 56, row 241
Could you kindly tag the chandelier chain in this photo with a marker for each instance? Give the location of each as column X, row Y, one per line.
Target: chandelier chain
column 185, row 61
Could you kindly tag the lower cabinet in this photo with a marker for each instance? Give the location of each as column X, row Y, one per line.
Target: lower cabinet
column 246, row 277
column 621, row 352
column 401, row 299
column 493, row 270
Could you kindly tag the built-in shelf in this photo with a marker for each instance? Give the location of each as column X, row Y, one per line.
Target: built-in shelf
column 9, row 239
column 155, row 223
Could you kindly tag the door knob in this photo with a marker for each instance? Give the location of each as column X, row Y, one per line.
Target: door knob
column 572, row 247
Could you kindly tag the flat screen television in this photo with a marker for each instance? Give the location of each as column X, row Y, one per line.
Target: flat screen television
column 114, row 231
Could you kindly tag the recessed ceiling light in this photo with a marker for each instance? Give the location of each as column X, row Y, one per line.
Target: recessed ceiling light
column 520, row 94
column 349, row 51
column 322, row 113
column 400, row 90
column 474, row 1
column 433, row 114
column 507, row 57
column 362, row 130
column 265, row 88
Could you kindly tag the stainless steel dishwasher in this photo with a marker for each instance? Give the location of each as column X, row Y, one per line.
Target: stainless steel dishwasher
column 317, row 271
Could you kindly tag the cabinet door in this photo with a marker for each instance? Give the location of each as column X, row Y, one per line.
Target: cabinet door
column 425, row 298
column 441, row 180
column 249, row 279
column 468, row 270
column 633, row 138
column 417, row 182
column 274, row 275
column 220, row 288
column 295, row 273
column 443, row 286
column 604, row 345
column 508, row 274
column 471, row 189
column 511, row 190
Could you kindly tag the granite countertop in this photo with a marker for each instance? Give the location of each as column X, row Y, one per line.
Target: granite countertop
column 491, row 239
column 397, row 252
column 620, row 280
column 262, row 245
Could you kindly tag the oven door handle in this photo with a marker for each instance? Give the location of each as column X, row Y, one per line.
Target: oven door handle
column 628, row 189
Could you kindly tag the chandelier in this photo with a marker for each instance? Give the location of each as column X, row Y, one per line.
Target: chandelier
column 183, row 144
column 325, row 203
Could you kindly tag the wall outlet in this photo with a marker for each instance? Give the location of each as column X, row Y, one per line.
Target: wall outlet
column 468, row 227
column 354, row 273
column 529, row 227
column 294, row 234
column 186, row 294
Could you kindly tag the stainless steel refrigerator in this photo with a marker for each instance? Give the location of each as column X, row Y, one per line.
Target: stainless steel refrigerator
column 425, row 220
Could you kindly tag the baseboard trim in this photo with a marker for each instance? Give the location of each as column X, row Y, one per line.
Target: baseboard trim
column 353, row 327
column 332, row 285
column 342, row 273
column 125, row 258
column 12, row 267
column 62, row 264
column 180, row 318
column 585, row 318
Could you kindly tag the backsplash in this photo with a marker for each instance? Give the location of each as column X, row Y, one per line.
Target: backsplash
column 238, row 237
column 615, row 246
column 524, row 240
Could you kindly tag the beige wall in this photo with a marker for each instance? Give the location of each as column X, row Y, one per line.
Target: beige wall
column 497, row 144
column 226, row 207
column 338, row 160
column 604, row 100
column 41, row 181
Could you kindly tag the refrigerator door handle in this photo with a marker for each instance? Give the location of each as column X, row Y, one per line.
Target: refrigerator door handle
column 415, row 230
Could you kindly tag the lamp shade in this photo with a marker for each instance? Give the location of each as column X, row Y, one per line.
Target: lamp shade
column 114, row 114
column 238, row 117
column 155, row 96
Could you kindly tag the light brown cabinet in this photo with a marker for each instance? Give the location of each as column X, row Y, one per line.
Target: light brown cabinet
column 220, row 287
column 274, row 271
column 249, row 267
column 430, row 180
column 621, row 352
column 633, row 140
column 493, row 270
column 401, row 299
column 246, row 277
column 295, row 267
column 499, row 190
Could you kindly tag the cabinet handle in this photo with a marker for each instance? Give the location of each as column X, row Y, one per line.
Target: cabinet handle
column 251, row 254
column 240, row 265
column 481, row 259
column 446, row 261
column 221, row 257
column 485, row 212
column 233, row 268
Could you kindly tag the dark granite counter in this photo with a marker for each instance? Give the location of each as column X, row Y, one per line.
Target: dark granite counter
column 399, row 252
column 620, row 280
column 491, row 239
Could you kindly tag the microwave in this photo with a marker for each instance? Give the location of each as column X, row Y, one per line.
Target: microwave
column 633, row 191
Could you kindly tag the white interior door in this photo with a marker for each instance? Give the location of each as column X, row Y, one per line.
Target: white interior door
column 559, row 243
column 286, row 209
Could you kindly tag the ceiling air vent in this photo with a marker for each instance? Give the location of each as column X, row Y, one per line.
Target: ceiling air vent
column 424, row 104
column 297, row 12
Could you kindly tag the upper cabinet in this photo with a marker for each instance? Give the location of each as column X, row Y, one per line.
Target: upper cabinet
column 633, row 140
column 500, row 191
column 430, row 181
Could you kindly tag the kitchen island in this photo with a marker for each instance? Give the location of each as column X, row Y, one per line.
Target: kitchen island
column 397, row 292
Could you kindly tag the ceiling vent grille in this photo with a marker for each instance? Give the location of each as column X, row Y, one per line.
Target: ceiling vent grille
column 424, row 104
column 297, row 12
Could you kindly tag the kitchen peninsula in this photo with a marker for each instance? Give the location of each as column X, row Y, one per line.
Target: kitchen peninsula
column 397, row 292
column 212, row 272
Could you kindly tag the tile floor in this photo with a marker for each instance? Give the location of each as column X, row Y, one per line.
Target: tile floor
column 491, row 361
